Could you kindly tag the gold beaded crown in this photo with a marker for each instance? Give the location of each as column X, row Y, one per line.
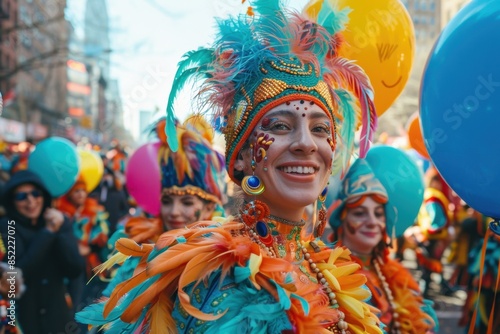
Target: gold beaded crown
column 280, row 81
column 268, row 57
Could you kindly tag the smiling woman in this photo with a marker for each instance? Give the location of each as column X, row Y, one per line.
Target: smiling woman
column 285, row 98
column 360, row 223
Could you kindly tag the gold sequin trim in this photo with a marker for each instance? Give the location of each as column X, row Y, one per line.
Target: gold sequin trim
column 270, row 88
column 190, row 190
column 292, row 68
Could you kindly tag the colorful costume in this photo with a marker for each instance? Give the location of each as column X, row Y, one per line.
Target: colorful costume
column 483, row 289
column 394, row 291
column 435, row 221
column 195, row 169
column 89, row 226
column 253, row 273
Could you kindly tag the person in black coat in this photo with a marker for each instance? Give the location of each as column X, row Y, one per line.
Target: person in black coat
column 111, row 194
column 45, row 250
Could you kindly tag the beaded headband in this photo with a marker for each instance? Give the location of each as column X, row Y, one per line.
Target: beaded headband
column 271, row 56
column 195, row 168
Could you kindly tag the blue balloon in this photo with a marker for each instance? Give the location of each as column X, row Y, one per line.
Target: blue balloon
column 55, row 161
column 404, row 183
column 459, row 105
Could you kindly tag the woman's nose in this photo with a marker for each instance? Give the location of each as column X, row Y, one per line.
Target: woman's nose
column 373, row 220
column 303, row 141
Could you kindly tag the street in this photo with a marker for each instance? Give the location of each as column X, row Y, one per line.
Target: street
column 448, row 308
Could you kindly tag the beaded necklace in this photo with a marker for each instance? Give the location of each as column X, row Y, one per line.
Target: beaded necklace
column 395, row 328
column 262, row 229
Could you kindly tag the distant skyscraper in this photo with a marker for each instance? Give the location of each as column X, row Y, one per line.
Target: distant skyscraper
column 97, row 42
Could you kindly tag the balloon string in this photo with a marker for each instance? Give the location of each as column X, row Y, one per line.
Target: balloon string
column 492, row 313
column 481, row 269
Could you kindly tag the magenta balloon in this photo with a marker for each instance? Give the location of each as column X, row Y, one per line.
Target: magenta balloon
column 144, row 179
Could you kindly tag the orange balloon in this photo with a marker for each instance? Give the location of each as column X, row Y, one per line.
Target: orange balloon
column 380, row 38
column 415, row 137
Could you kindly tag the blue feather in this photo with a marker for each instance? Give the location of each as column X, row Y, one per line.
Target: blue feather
column 347, row 133
column 333, row 20
column 195, row 65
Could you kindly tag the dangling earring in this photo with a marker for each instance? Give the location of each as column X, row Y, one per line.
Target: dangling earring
column 320, row 228
column 251, row 184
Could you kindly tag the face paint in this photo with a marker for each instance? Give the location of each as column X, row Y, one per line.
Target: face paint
column 331, row 142
column 261, row 146
column 197, row 214
column 266, row 122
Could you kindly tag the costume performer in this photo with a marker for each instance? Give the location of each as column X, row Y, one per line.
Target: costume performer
column 276, row 81
column 361, row 224
column 91, row 228
column 191, row 182
column 435, row 222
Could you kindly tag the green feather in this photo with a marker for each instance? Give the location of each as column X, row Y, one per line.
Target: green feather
column 194, row 65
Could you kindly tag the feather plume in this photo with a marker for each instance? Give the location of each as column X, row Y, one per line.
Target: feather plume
column 195, row 65
column 159, row 323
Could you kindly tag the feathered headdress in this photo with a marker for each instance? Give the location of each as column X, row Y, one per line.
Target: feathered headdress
column 270, row 56
column 195, row 168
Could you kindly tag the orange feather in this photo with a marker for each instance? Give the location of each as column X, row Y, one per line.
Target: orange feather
column 159, row 323
column 121, row 289
column 351, row 281
column 175, row 257
column 134, row 310
column 131, row 248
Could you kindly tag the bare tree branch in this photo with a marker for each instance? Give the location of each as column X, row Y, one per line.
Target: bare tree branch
column 34, row 25
column 32, row 63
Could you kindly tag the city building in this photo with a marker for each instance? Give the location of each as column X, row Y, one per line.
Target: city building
column 33, row 66
column 431, row 16
column 55, row 81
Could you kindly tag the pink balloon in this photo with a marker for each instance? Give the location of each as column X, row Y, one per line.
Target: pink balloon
column 144, row 178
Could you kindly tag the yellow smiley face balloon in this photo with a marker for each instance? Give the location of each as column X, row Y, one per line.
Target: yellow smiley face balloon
column 380, row 37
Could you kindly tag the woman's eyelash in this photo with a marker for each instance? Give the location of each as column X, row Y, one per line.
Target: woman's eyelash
column 274, row 126
column 323, row 128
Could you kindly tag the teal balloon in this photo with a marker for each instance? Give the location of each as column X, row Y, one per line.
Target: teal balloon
column 460, row 105
column 404, row 183
column 55, row 161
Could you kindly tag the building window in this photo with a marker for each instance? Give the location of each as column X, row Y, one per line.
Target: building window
column 24, row 15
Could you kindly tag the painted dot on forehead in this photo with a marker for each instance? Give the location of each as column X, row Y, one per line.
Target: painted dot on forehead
column 301, row 101
column 297, row 108
column 303, row 115
column 287, row 103
column 312, row 102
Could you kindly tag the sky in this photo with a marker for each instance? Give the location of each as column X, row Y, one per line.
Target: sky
column 148, row 38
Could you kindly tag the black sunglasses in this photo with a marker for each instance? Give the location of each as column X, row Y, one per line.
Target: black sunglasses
column 21, row 196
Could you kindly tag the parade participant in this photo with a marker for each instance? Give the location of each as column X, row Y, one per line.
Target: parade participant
column 282, row 93
column 111, row 195
column 482, row 288
column 191, row 182
column 435, row 223
column 46, row 252
column 361, row 224
column 91, row 228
